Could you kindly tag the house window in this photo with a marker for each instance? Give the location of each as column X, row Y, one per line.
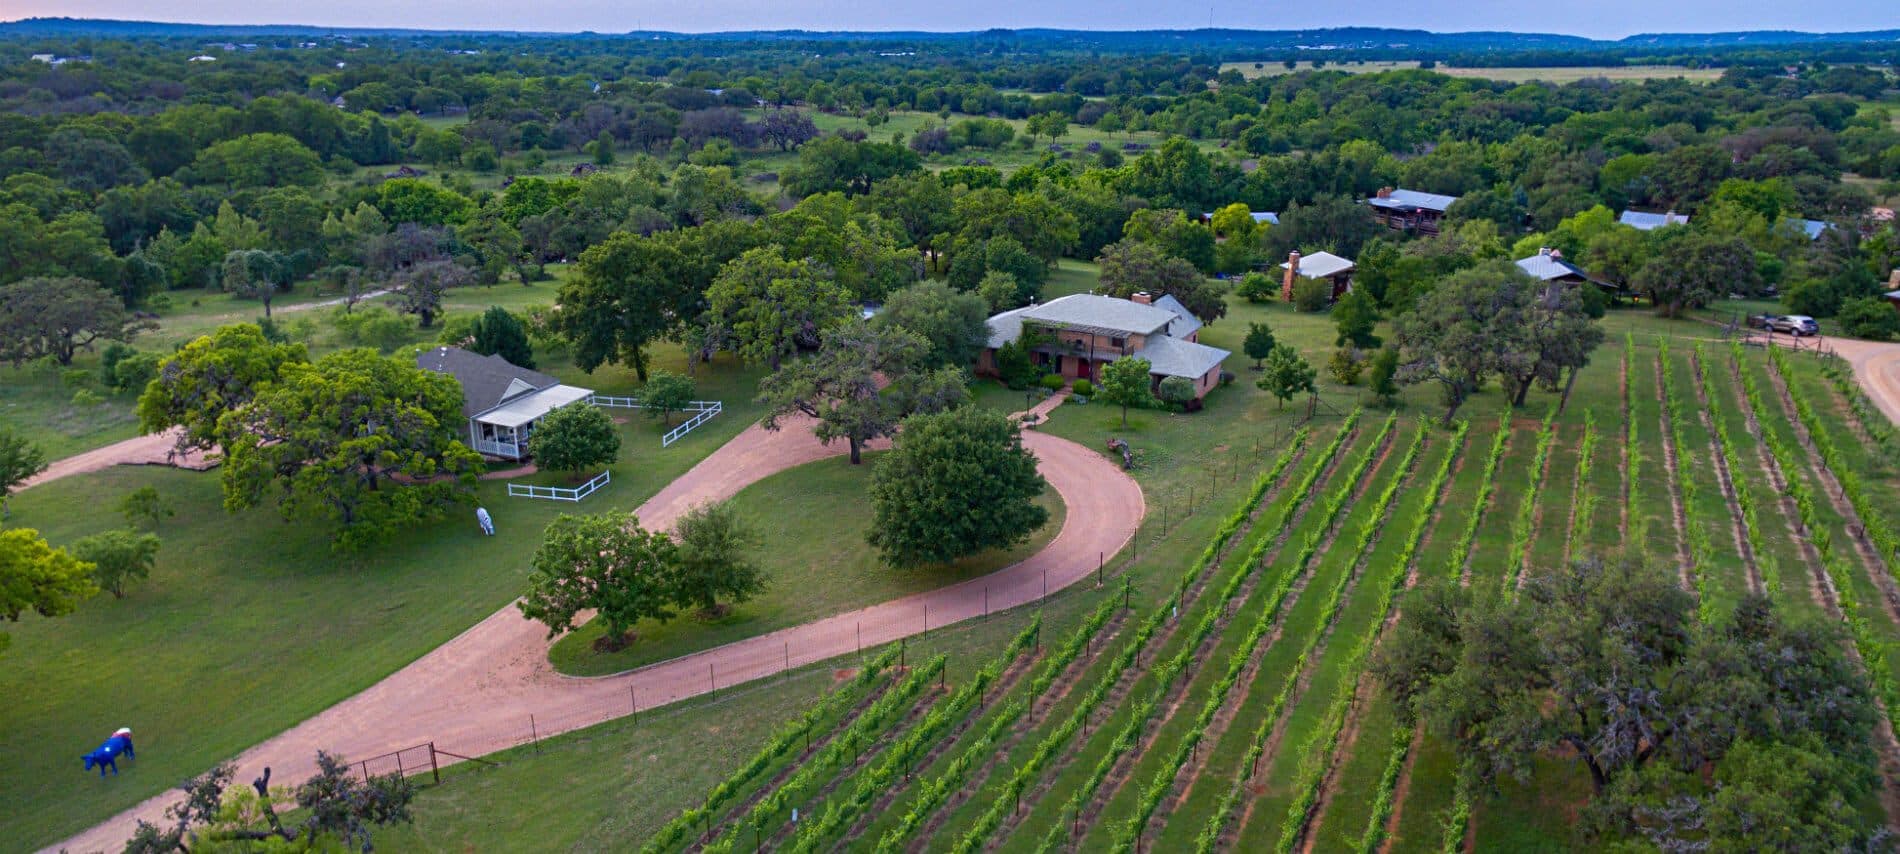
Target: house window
column 1118, row 342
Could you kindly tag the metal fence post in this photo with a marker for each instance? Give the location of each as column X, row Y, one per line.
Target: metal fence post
column 534, row 733
column 434, row 767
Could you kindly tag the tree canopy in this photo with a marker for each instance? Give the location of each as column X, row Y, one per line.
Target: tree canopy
column 365, row 442
column 954, row 484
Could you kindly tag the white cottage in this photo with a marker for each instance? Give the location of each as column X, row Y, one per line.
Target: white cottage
column 502, row 400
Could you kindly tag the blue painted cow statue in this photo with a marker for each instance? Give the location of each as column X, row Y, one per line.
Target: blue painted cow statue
column 107, row 756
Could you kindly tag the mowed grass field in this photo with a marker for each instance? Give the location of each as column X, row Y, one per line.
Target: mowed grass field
column 250, row 623
column 1548, row 74
column 1256, row 645
column 814, row 570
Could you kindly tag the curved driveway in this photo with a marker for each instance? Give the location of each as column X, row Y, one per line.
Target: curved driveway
column 1877, row 367
column 475, row 694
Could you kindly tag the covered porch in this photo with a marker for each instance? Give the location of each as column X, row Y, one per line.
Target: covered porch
column 503, row 432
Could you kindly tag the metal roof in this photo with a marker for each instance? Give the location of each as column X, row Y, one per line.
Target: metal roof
column 1174, row 357
column 1811, row 227
column 1185, row 323
column 526, row 408
column 1544, row 267
column 1100, row 312
column 1098, row 315
column 1320, row 265
column 1006, row 327
column 1647, row 221
column 1413, row 199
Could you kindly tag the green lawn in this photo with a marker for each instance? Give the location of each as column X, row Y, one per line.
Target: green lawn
column 576, row 792
column 250, row 624
column 37, row 400
column 815, row 570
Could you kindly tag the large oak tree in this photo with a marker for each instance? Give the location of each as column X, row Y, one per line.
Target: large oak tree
column 364, row 442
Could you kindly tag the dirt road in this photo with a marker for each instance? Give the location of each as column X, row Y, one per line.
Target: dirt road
column 1877, row 367
column 152, row 450
column 474, row 694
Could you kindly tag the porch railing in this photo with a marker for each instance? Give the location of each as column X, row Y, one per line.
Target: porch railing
column 498, row 449
column 561, row 493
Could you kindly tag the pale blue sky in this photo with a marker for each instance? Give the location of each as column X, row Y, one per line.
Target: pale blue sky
column 1597, row 18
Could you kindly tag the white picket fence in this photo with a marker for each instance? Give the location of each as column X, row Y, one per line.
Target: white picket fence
column 703, row 411
column 561, row 493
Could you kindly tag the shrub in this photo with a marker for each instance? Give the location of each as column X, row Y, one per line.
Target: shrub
column 133, row 372
column 1084, row 388
column 1176, row 390
column 1383, row 380
column 1312, row 295
column 373, row 326
column 1346, row 365
column 1871, row 318
column 1256, row 287
column 1052, row 382
column 575, row 437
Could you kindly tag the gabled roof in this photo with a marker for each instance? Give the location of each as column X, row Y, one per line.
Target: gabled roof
column 1268, row 217
column 1186, row 323
column 1647, row 221
column 1545, row 267
column 529, row 407
column 1320, row 265
column 1811, row 227
column 1412, row 200
column 1174, row 357
column 487, row 381
column 1096, row 312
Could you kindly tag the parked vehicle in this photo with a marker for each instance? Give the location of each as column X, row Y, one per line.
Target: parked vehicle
column 1795, row 324
column 1760, row 321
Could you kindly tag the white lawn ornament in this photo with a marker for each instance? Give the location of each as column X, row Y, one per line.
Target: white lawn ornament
column 486, row 521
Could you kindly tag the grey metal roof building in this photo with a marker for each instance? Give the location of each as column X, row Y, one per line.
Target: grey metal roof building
column 1647, row 221
column 502, row 400
column 1412, row 200
column 1166, row 325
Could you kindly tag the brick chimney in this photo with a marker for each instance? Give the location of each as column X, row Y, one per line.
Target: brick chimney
column 1292, row 272
column 1385, row 192
column 1141, row 298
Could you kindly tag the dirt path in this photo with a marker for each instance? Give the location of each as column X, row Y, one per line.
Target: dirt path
column 1877, row 367
column 156, row 449
column 475, row 694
